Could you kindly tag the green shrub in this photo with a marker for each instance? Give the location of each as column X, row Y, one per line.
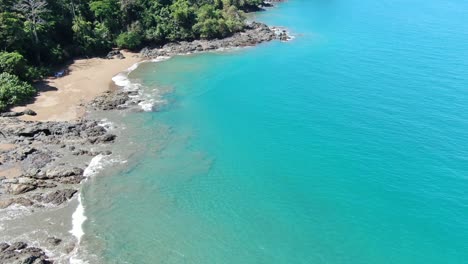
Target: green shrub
column 35, row 73
column 129, row 40
column 12, row 62
column 13, row 90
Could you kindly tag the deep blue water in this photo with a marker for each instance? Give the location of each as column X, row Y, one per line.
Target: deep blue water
column 346, row 145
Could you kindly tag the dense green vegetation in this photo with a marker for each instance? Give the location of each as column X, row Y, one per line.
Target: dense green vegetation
column 37, row 34
column 13, row 90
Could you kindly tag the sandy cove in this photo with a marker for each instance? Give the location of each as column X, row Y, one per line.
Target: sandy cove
column 65, row 98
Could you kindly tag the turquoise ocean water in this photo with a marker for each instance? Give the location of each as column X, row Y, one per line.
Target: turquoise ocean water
column 346, row 145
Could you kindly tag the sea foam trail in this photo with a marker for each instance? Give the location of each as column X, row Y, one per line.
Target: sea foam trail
column 78, row 216
column 123, row 81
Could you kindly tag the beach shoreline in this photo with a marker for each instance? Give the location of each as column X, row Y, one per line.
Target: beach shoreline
column 65, row 98
column 62, row 137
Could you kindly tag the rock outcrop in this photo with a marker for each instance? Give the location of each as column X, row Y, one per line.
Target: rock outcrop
column 19, row 252
column 255, row 33
column 40, row 155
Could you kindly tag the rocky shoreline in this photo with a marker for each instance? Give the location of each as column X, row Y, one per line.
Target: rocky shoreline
column 254, row 34
column 20, row 252
column 43, row 163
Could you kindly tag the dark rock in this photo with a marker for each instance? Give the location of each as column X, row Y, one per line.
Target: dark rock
column 11, row 114
column 102, row 139
column 17, row 246
column 80, row 152
column 115, row 54
column 94, row 131
column 112, row 101
column 19, row 253
column 53, row 241
column 29, row 112
column 253, row 34
column 107, row 138
column 34, row 131
column 57, row 197
column 45, row 184
column 35, row 161
column 22, row 152
column 3, row 246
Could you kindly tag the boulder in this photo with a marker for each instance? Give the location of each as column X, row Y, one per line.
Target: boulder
column 29, row 112
column 3, row 246
column 102, row 139
column 53, row 241
column 45, row 184
column 17, row 246
column 20, row 188
column 19, row 200
column 19, row 253
column 114, row 54
column 57, row 197
column 11, row 114
column 63, row 171
column 4, row 204
column 107, row 138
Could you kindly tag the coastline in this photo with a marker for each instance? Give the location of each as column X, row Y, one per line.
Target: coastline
column 85, row 139
column 65, row 98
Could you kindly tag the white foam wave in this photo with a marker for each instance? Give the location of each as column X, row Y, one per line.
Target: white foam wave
column 147, row 106
column 146, row 102
column 78, row 218
column 122, row 80
column 133, row 67
column 94, row 166
column 160, row 58
column 106, row 124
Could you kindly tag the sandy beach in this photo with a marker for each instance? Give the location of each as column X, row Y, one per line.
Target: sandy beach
column 62, row 99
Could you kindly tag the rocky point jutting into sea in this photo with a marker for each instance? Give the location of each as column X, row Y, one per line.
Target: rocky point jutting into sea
column 43, row 163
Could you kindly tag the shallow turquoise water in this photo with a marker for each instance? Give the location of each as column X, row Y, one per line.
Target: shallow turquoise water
column 346, row 145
